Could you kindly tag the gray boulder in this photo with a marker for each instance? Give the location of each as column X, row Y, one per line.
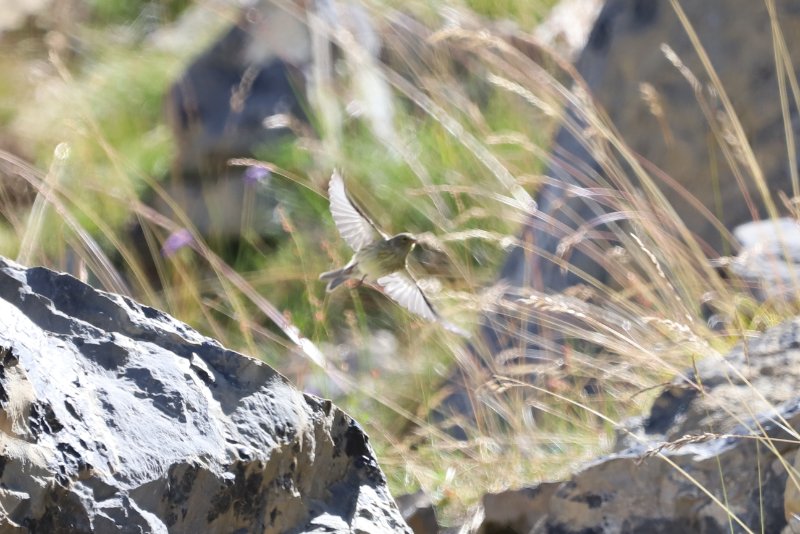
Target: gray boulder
column 217, row 107
column 726, row 435
column 217, row 111
column 769, row 261
column 623, row 61
column 115, row 417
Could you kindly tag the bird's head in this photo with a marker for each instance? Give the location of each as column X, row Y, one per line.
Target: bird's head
column 404, row 241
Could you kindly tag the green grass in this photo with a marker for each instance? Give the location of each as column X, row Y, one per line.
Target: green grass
column 102, row 108
column 525, row 14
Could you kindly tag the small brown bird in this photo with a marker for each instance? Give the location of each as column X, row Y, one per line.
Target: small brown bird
column 378, row 257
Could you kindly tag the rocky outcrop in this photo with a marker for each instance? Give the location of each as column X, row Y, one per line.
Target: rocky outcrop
column 220, row 108
column 629, row 76
column 115, row 417
column 712, row 456
column 252, row 93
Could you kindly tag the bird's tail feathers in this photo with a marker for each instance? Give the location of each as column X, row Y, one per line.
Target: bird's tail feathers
column 337, row 277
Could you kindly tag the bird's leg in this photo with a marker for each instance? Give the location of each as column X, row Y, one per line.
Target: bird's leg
column 361, row 281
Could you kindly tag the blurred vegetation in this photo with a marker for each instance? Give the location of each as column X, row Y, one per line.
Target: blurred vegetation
column 525, row 14
column 83, row 105
column 159, row 12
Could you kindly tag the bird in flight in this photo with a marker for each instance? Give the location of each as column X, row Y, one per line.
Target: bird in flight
column 378, row 257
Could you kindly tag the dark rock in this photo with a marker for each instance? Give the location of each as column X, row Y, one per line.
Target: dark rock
column 219, row 108
column 723, row 392
column 117, row 418
column 728, row 408
column 209, row 123
column 624, row 52
column 418, row 512
column 249, row 96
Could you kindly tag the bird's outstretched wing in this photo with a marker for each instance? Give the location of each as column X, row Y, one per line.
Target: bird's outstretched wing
column 403, row 289
column 355, row 227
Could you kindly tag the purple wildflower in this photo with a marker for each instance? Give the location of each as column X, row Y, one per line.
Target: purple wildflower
column 176, row 241
column 254, row 175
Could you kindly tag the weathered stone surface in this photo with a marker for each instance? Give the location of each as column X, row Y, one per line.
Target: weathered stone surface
column 115, row 417
column 750, row 393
